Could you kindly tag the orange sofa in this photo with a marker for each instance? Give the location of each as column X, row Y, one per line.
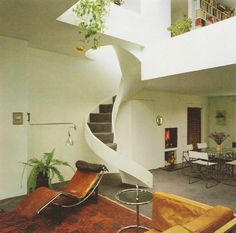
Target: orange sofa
column 175, row 214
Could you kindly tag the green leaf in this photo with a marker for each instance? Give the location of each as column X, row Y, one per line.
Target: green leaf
column 57, row 173
column 91, row 17
column 46, row 166
column 180, row 26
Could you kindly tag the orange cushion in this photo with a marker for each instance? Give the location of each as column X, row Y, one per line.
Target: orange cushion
column 211, row 220
column 170, row 210
column 177, row 229
column 152, row 231
column 81, row 183
column 29, row 206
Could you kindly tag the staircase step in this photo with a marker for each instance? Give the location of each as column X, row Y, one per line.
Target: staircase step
column 100, row 117
column 105, row 108
column 105, row 137
column 112, row 145
column 100, row 127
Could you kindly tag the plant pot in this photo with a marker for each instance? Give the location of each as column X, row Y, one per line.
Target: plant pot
column 42, row 180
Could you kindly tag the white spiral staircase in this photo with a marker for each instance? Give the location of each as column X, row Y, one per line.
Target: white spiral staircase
column 100, row 125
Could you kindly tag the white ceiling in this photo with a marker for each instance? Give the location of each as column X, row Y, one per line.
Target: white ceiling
column 211, row 82
column 35, row 22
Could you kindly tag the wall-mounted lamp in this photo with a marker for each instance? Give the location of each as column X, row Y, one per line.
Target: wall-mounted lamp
column 159, row 120
column 69, row 141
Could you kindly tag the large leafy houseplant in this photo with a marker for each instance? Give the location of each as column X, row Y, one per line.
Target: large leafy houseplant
column 91, row 14
column 180, row 26
column 43, row 171
column 219, row 137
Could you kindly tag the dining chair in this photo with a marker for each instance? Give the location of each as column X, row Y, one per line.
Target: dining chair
column 229, row 176
column 202, row 145
column 202, row 168
column 185, row 156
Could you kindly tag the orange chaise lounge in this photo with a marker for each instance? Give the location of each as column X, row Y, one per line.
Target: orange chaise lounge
column 83, row 184
column 175, row 214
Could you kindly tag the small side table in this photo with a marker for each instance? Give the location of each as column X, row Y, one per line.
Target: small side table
column 134, row 197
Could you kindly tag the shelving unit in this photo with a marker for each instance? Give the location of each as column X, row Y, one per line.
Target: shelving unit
column 209, row 12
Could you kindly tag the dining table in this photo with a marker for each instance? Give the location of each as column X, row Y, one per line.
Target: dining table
column 220, row 156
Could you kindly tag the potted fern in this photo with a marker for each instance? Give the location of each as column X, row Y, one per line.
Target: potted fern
column 43, row 171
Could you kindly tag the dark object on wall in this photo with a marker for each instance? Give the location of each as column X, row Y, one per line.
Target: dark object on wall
column 194, row 125
column 17, row 118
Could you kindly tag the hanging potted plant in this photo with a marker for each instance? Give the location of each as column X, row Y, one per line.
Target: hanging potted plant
column 91, row 14
column 43, row 171
column 180, row 27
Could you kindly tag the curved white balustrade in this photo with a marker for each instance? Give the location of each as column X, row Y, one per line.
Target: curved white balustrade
column 131, row 172
column 137, row 173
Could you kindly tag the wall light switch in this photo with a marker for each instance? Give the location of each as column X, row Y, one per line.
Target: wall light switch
column 17, row 118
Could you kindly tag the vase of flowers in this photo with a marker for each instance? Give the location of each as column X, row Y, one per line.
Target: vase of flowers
column 219, row 138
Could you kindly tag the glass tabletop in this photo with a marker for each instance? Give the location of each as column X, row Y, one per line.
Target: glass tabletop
column 134, row 196
column 224, row 153
column 213, row 150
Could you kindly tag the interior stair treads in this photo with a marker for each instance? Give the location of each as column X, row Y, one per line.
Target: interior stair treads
column 105, row 108
column 98, row 127
column 100, row 117
column 112, row 145
column 105, row 137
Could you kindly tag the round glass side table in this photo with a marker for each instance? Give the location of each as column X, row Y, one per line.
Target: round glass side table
column 136, row 197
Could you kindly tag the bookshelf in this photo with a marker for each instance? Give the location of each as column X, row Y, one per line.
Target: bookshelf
column 210, row 11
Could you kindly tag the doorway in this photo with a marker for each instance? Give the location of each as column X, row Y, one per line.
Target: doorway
column 194, row 125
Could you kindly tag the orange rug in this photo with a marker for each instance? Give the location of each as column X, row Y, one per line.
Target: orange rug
column 105, row 216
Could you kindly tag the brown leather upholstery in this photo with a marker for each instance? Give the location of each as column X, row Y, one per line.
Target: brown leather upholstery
column 210, row 221
column 80, row 187
column 177, row 229
column 81, row 183
column 93, row 167
column 175, row 214
column 35, row 200
column 170, row 210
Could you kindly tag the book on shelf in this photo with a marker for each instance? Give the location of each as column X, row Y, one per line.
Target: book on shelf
column 199, row 22
column 200, row 14
column 210, row 20
column 211, row 11
column 221, row 7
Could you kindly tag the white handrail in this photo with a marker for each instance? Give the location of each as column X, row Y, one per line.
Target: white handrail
column 131, row 172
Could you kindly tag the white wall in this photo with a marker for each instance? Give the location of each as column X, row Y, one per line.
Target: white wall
column 66, row 89
column 13, row 98
column 157, row 17
column 227, row 104
column 195, row 50
column 139, row 135
column 53, row 88
column 133, row 5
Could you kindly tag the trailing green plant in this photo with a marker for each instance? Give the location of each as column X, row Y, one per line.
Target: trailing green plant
column 91, row 14
column 180, row 26
column 118, row 2
column 43, row 171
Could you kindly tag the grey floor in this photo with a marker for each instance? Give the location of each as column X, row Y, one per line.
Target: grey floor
column 175, row 182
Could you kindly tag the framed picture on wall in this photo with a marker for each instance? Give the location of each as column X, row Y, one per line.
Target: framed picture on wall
column 220, row 117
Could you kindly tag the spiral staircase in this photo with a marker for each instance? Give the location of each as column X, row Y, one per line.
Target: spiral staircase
column 100, row 124
column 100, row 128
